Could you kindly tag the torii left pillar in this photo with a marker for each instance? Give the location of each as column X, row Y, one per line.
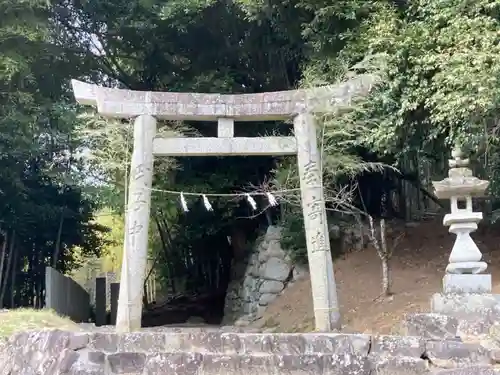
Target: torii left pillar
column 135, row 253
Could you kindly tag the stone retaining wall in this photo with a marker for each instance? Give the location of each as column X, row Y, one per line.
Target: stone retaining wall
column 198, row 351
column 259, row 279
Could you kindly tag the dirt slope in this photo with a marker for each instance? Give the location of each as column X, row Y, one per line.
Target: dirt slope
column 418, row 266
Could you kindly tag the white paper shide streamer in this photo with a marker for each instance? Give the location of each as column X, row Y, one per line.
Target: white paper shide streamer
column 272, row 200
column 207, row 204
column 251, row 201
column 184, row 203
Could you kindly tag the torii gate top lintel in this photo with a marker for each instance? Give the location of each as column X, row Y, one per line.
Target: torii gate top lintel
column 119, row 103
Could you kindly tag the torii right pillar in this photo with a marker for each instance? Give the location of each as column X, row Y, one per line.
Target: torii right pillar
column 465, row 283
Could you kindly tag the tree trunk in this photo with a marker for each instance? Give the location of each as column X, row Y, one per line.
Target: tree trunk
column 386, row 277
column 2, row 260
column 57, row 248
column 13, row 280
column 385, row 256
column 9, row 261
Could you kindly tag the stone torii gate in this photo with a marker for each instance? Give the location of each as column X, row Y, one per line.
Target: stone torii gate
column 147, row 107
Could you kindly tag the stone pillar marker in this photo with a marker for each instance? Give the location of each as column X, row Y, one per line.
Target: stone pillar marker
column 464, row 271
column 323, row 287
column 135, row 253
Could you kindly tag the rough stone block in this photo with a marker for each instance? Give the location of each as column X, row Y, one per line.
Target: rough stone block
column 346, row 364
column 250, row 365
column 225, row 365
column 85, row 368
column 212, row 342
column 451, row 354
column 173, row 364
column 431, row 326
column 105, row 342
column 333, row 343
column 257, row 343
column 66, row 359
column 474, row 370
column 389, row 365
column 142, row 342
column 291, row 344
column 460, row 284
column 300, row 364
column 408, row 346
column 467, row 306
column 78, row 341
column 474, row 329
column 127, row 363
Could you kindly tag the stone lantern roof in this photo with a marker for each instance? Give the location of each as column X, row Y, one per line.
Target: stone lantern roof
column 460, row 181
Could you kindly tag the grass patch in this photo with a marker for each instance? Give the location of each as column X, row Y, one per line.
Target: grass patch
column 18, row 320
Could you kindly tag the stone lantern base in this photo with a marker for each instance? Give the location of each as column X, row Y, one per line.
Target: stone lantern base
column 473, row 306
column 465, row 284
column 467, row 296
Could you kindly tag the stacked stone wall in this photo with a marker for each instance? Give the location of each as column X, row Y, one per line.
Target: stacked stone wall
column 229, row 351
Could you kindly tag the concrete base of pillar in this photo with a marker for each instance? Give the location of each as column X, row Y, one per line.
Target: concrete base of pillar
column 466, row 284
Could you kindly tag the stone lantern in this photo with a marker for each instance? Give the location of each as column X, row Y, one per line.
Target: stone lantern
column 464, row 273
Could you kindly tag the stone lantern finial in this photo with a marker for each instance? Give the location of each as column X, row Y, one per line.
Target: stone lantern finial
column 463, row 273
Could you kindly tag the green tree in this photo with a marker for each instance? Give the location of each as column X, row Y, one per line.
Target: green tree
column 43, row 212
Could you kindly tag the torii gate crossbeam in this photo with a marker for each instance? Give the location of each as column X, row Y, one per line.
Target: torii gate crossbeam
column 147, row 107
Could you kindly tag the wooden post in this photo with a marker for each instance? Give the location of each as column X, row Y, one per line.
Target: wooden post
column 324, row 290
column 135, row 255
column 100, row 301
column 114, row 291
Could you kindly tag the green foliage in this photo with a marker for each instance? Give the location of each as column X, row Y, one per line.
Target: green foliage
column 293, row 238
column 440, row 71
column 437, row 60
column 45, row 214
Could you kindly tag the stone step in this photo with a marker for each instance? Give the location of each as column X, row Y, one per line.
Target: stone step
column 54, row 351
column 91, row 363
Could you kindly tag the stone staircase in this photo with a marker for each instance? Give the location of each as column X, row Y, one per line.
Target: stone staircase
column 433, row 346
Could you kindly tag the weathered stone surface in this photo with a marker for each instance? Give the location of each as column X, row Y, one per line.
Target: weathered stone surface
column 106, row 342
column 85, row 368
column 346, row 364
column 409, row 346
column 196, row 351
column 78, row 341
column 474, row 329
column 431, row 326
column 288, row 344
column 275, row 269
column 451, row 354
column 390, row 365
column 266, row 299
column 271, row 286
column 300, row 364
column 66, row 359
column 127, row 363
column 470, row 307
column 97, row 358
column 142, row 342
column 173, row 364
column 473, row 370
